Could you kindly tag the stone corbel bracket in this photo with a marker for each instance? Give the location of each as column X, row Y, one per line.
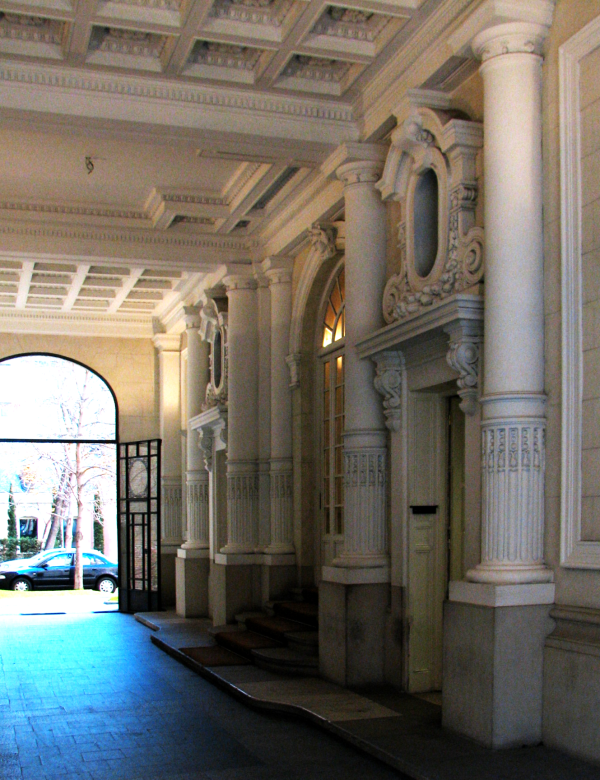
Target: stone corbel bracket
column 211, row 425
column 389, row 380
column 294, row 362
column 323, row 241
column 463, row 356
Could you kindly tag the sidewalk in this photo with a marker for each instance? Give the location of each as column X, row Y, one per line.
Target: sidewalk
column 401, row 730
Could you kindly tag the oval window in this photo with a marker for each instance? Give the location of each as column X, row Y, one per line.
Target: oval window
column 426, row 201
column 216, row 362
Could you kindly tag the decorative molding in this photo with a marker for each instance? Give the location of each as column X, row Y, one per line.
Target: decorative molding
column 366, row 533
column 205, row 442
column 427, row 140
column 322, row 241
column 197, row 510
column 359, row 172
column 512, row 482
column 225, row 55
column 171, row 506
column 242, row 507
column 351, row 24
column 134, row 87
column 79, row 211
column 294, row 362
column 66, row 324
column 139, row 237
column 512, row 38
column 389, row 376
column 282, row 508
column 464, row 357
column 575, row 552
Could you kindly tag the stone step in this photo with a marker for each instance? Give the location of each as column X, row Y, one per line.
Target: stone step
column 286, row 661
column 273, row 627
column 244, row 642
column 301, row 611
column 304, row 642
column 244, row 616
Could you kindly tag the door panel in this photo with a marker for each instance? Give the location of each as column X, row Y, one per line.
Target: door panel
column 139, row 526
column 426, row 540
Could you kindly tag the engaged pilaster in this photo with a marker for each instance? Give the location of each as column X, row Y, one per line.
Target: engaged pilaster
column 196, row 473
column 282, row 532
column 242, row 445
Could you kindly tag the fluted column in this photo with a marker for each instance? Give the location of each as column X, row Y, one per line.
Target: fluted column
column 513, row 421
column 282, row 531
column 365, row 451
column 242, row 439
column 169, row 356
column 196, row 473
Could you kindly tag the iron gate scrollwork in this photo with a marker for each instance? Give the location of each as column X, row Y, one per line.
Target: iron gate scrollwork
column 139, row 526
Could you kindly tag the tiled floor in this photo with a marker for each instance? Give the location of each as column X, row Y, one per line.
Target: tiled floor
column 88, row 697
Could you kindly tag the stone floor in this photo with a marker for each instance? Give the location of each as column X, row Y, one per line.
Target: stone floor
column 402, row 731
column 89, row 697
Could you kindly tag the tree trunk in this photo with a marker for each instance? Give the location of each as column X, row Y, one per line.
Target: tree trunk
column 61, row 506
column 78, row 584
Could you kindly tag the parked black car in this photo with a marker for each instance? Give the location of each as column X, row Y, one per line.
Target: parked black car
column 54, row 570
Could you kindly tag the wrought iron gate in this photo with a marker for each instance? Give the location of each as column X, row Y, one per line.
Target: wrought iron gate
column 139, row 526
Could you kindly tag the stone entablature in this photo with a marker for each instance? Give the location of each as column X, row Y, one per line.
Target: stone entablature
column 434, row 140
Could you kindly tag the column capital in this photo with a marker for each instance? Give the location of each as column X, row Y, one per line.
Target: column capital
column 167, row 342
column 355, row 163
column 499, row 27
column 277, row 270
column 239, row 282
column 191, row 317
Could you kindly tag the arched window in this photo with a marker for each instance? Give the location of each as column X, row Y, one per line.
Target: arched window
column 332, row 424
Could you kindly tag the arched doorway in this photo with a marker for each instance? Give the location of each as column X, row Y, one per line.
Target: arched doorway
column 57, row 475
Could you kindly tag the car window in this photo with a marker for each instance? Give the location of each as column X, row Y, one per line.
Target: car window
column 58, row 561
column 91, row 560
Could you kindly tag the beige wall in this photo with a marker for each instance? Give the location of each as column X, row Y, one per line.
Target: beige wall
column 574, row 587
column 128, row 365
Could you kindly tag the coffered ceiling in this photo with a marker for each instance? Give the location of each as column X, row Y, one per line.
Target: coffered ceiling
column 312, row 47
column 147, row 145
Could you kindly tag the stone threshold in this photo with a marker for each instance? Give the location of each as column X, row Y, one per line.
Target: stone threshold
column 398, row 729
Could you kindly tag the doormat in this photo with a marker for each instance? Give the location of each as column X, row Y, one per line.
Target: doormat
column 214, row 656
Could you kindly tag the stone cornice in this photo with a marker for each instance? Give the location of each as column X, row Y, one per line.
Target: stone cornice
column 124, row 236
column 329, row 117
column 75, row 324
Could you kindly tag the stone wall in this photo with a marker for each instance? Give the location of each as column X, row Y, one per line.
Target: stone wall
column 128, row 365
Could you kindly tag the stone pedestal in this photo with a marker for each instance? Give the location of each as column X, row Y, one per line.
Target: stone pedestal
column 191, row 580
column 493, row 656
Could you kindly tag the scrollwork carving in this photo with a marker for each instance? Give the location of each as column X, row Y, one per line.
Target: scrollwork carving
column 388, row 383
column 463, row 357
column 428, row 140
column 322, row 239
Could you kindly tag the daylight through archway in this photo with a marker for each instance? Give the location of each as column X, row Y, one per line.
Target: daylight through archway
column 58, row 530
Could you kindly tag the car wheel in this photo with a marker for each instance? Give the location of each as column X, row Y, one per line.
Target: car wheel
column 106, row 585
column 21, row 584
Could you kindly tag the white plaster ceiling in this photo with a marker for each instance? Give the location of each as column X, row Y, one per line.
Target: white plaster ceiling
column 144, row 144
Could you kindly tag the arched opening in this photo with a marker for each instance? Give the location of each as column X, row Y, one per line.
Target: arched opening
column 58, row 528
column 426, row 205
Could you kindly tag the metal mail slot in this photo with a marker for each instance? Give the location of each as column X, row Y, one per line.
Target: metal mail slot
column 424, row 510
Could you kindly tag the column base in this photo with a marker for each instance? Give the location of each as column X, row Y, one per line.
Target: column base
column 507, row 575
column 493, row 659
column 352, row 632
column 191, row 577
column 234, row 588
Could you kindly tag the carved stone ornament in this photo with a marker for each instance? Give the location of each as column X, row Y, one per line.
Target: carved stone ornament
column 388, row 382
column 433, row 141
column 294, row 361
column 205, row 442
column 213, row 328
column 322, row 241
